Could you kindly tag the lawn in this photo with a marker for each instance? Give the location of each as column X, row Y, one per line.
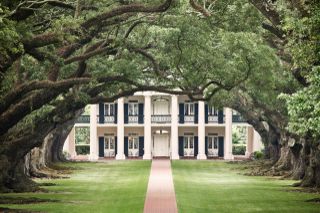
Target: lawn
column 215, row 186
column 114, row 186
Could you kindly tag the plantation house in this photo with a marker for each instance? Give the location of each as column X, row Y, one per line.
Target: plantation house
column 152, row 124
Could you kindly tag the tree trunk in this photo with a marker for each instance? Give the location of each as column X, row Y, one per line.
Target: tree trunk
column 312, row 174
column 42, row 158
column 298, row 161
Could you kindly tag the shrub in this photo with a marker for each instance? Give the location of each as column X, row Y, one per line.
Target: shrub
column 257, row 155
column 239, row 150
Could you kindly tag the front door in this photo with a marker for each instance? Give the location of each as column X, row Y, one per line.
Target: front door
column 109, row 146
column 161, row 146
column 213, row 146
column 133, row 146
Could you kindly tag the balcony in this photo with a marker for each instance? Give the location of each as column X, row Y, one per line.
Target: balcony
column 108, row 119
column 84, row 119
column 212, row 119
column 189, row 118
column 238, row 119
column 160, row 119
column 134, row 119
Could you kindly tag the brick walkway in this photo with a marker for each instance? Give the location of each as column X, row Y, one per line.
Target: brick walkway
column 160, row 195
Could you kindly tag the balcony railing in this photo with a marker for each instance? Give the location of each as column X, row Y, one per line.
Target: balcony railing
column 212, row 119
column 238, row 119
column 134, row 119
column 108, row 119
column 189, row 118
column 85, row 119
column 161, row 119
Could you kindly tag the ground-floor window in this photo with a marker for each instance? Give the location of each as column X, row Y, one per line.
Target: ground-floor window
column 213, row 145
column 82, row 140
column 188, row 145
column 109, row 146
column 133, row 145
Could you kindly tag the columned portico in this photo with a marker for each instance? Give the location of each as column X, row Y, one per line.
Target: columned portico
column 228, row 135
column 120, row 131
column 93, row 133
column 201, row 132
column 174, row 128
column 147, row 127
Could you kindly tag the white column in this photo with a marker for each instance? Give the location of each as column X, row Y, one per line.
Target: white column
column 228, row 135
column 249, row 148
column 72, row 147
column 174, row 127
column 94, row 149
column 201, row 132
column 147, row 127
column 257, row 143
column 120, row 131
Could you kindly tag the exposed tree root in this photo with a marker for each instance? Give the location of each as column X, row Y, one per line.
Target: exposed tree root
column 23, row 200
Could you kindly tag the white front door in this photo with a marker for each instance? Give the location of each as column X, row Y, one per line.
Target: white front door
column 161, row 146
column 213, row 146
column 133, row 146
column 109, row 146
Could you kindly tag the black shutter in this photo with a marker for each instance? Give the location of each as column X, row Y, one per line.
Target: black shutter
column 220, row 116
column 196, row 146
column 181, row 113
column 126, row 111
column 221, row 147
column 115, row 113
column 101, row 113
column 206, row 113
column 196, row 112
column 206, row 145
column 181, row 146
column 115, row 145
column 126, row 148
column 141, row 146
column 101, row 146
column 140, row 109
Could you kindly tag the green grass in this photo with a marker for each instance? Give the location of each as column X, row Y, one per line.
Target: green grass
column 95, row 187
column 215, row 186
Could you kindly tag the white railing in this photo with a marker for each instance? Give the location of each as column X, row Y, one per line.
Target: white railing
column 160, row 118
column 213, row 119
column 133, row 119
column 189, row 118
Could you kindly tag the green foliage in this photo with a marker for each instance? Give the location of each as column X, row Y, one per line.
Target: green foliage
column 304, row 107
column 258, row 155
column 239, row 150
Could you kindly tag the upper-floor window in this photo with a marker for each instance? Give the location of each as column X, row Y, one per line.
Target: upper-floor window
column 212, row 111
column 189, row 108
column 133, row 108
column 109, row 109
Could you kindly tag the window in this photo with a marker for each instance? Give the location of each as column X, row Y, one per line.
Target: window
column 109, row 142
column 188, row 142
column 212, row 142
column 133, row 142
column 213, row 111
column 189, row 108
column 109, row 109
column 133, row 109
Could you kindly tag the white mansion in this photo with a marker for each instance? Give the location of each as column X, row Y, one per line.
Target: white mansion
column 152, row 124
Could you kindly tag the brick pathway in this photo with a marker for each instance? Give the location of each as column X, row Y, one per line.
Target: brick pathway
column 160, row 195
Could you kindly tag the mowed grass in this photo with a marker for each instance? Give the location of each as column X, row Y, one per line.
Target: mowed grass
column 216, row 186
column 115, row 186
